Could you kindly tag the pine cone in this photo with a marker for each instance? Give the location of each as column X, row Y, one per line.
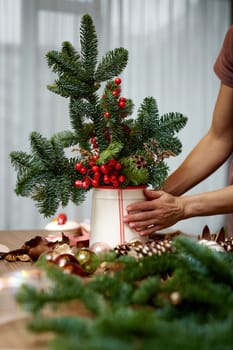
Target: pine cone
column 140, row 250
column 227, row 244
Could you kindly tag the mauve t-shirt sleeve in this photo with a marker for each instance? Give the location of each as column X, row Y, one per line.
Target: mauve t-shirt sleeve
column 223, row 66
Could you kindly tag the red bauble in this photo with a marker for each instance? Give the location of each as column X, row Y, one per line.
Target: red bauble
column 61, row 219
column 117, row 80
column 65, row 258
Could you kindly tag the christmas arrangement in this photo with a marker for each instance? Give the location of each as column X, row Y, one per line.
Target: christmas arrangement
column 109, row 147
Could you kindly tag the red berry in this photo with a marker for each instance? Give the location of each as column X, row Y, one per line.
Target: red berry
column 95, row 157
column 121, row 104
column 112, row 162
column 78, row 166
column 91, row 163
column 86, row 183
column 122, row 99
column 117, row 81
column 116, row 92
column 93, row 140
column 83, row 170
column 95, row 183
column 121, row 178
column 118, row 166
column 78, row 183
column 113, row 178
column 107, row 179
column 104, row 168
column 95, row 168
column 115, row 183
column 107, row 114
column 96, row 176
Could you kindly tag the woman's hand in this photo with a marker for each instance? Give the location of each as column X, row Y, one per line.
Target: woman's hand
column 158, row 211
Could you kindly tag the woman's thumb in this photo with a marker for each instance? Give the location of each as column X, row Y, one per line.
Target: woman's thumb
column 152, row 194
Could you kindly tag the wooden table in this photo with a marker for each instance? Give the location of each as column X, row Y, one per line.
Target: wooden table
column 13, row 330
column 14, row 240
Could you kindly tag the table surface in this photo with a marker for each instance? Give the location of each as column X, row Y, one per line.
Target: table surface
column 13, row 329
column 14, row 240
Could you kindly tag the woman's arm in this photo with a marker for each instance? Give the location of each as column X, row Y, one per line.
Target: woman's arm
column 162, row 209
column 211, row 152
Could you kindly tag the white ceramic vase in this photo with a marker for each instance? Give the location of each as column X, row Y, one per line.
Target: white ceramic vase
column 108, row 208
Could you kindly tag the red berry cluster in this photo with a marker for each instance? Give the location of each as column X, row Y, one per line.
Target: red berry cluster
column 96, row 175
column 121, row 100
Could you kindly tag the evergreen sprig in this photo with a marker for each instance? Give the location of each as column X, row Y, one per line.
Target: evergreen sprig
column 101, row 129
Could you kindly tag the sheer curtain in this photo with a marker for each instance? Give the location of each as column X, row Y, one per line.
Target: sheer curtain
column 172, row 47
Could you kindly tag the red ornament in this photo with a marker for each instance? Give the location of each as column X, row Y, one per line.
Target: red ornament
column 117, row 80
column 61, row 219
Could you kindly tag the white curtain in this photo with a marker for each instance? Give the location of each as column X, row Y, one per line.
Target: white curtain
column 172, row 48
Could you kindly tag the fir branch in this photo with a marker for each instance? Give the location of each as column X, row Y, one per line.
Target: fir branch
column 60, row 63
column 112, row 64
column 68, row 50
column 172, row 122
column 65, row 138
column 136, row 176
column 112, row 151
column 21, row 161
column 213, row 262
column 89, row 42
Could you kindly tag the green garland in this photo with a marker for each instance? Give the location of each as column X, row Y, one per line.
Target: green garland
column 180, row 300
